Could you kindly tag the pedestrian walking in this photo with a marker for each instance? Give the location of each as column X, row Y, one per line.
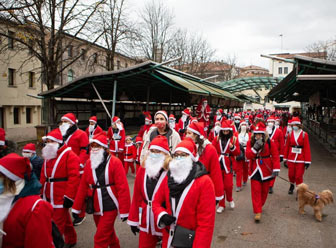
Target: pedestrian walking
column 93, row 127
column 29, row 151
column 130, row 154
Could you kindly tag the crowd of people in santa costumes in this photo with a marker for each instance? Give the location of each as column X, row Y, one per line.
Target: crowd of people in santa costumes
column 93, row 127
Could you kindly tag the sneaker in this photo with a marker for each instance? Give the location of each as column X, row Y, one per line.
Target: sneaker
column 232, row 204
column 238, row 189
column 244, row 183
column 257, row 217
column 78, row 221
column 270, row 190
column 291, row 189
column 220, row 209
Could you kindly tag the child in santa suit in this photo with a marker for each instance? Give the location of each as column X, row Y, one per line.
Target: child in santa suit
column 104, row 180
column 93, row 127
column 130, row 153
column 297, row 154
column 24, row 217
column 264, row 165
column 116, row 137
column 60, row 180
column 138, row 145
column 146, row 185
column 185, row 199
column 227, row 146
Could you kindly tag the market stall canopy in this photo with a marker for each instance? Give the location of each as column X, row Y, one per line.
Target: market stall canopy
column 309, row 76
column 148, row 80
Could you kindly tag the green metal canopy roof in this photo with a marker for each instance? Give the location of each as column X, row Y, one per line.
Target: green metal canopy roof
column 249, row 83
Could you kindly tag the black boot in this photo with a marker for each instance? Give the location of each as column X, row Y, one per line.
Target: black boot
column 291, row 189
column 270, row 190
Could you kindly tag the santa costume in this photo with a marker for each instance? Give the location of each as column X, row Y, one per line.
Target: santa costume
column 104, row 180
column 227, row 161
column 60, row 181
column 24, row 217
column 138, row 144
column 203, row 111
column 130, row 154
column 93, row 128
column 218, row 116
column 29, row 151
column 184, row 201
column 146, row 185
column 116, row 137
column 184, row 122
column 264, row 165
column 148, row 123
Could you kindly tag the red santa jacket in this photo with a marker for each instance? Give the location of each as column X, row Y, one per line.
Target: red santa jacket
column 138, row 153
column 79, row 142
column 182, row 125
column 141, row 200
column 209, row 159
column 117, row 140
column 143, row 129
column 203, row 115
column 95, row 131
column 64, row 167
column 130, row 153
column 118, row 191
column 297, row 149
column 227, row 155
column 195, row 210
column 277, row 137
column 28, row 224
column 266, row 161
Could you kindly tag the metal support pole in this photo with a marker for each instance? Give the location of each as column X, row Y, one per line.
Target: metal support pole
column 114, row 97
column 101, row 100
column 147, row 98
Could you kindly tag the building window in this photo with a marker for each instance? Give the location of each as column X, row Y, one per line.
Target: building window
column 95, row 58
column 28, row 115
column 285, row 70
column 280, row 70
column 31, row 79
column 11, row 39
column 118, row 64
column 16, row 115
column 83, row 54
column 70, row 75
column 126, row 65
column 11, row 77
column 69, row 51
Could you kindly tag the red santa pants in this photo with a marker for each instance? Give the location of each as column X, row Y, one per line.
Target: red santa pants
column 295, row 172
column 147, row 240
column 63, row 222
column 259, row 193
column 128, row 165
column 105, row 235
column 241, row 172
column 272, row 182
column 137, row 165
column 228, row 186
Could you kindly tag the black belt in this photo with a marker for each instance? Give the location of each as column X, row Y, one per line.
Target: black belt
column 53, row 180
column 226, row 154
column 297, row 146
column 260, row 157
column 100, row 186
column 128, row 154
column 149, row 203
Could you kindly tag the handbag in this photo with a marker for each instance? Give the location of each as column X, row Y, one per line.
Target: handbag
column 183, row 237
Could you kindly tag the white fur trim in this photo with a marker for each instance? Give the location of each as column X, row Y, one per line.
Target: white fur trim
column 218, row 198
column 163, row 113
column 9, row 174
column 254, row 151
column 76, row 211
column 159, row 218
column 226, row 128
column 35, row 204
column 123, row 215
column 276, row 170
column 66, row 118
column 183, row 149
column 26, row 150
column 259, row 131
column 54, row 139
column 158, row 148
column 98, row 142
column 93, row 121
column 132, row 223
column 193, row 130
column 2, row 142
column 295, row 123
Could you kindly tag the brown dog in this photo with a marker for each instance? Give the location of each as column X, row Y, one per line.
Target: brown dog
column 317, row 201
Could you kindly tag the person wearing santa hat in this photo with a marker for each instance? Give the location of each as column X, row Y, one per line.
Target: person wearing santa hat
column 29, row 151
column 138, row 145
column 203, row 111
column 227, row 146
column 207, row 156
column 241, row 161
column 161, row 128
column 218, row 116
column 184, row 122
column 130, row 154
column 172, row 122
column 25, row 219
column 93, row 127
column 148, row 123
column 215, row 130
column 60, row 180
column 236, row 122
column 276, row 135
column 183, row 206
column 116, row 136
column 6, row 146
column 146, row 185
column 297, row 154
column 264, row 165
column 105, row 185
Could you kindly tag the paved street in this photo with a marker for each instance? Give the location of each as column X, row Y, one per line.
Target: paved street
column 281, row 225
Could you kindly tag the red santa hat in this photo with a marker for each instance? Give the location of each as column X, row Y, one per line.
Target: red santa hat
column 93, row 119
column 197, row 128
column 14, row 166
column 237, row 116
column 242, row 122
column 260, row 128
column 128, row 137
column 226, row 125
column 2, row 137
column 188, row 146
column 296, row 121
column 70, row 117
column 115, row 119
column 204, row 100
column 162, row 112
column 193, row 119
column 138, row 140
column 160, row 143
column 148, row 116
column 271, row 118
column 30, row 147
column 54, row 135
column 289, row 122
column 220, row 111
column 172, row 117
column 100, row 139
column 186, row 112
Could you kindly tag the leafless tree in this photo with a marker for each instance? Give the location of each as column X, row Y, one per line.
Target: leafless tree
column 233, row 70
column 326, row 49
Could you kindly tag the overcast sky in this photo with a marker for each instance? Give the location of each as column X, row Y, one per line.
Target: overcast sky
column 247, row 28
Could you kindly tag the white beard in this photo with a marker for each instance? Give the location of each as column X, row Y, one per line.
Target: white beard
column 217, row 130
column 119, row 126
column 218, row 117
column 154, row 165
column 172, row 125
column 50, row 151
column 91, row 128
column 96, row 157
column 64, row 128
column 184, row 118
column 180, row 169
column 27, row 154
column 269, row 129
